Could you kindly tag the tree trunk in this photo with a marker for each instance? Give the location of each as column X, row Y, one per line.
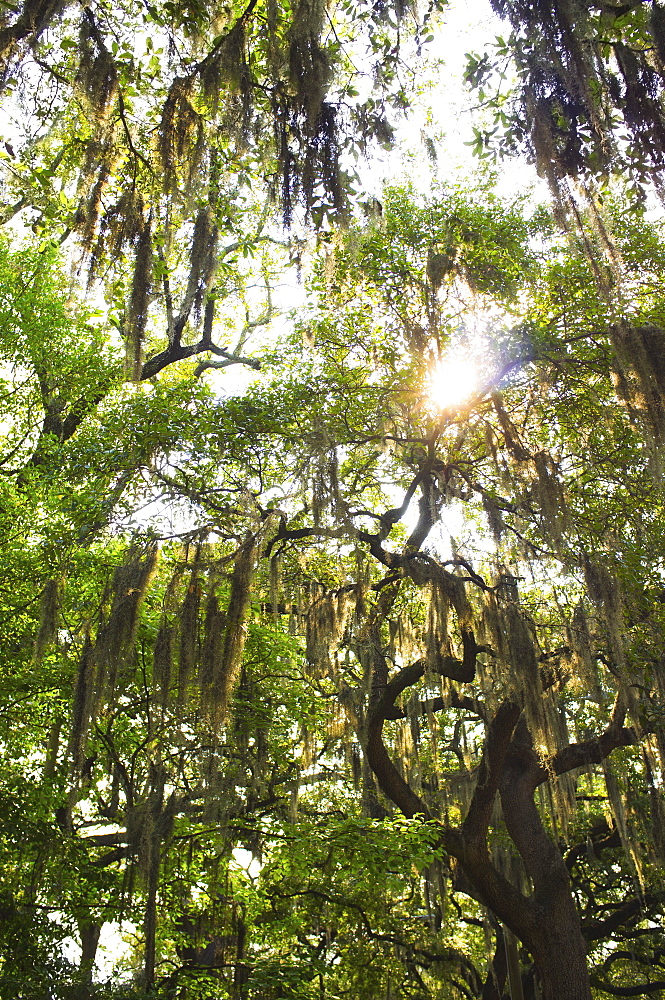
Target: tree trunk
column 555, row 938
column 563, row 972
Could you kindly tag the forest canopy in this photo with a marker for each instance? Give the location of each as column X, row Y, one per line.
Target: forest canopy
column 343, row 676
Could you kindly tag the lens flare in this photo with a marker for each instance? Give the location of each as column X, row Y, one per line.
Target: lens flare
column 452, row 382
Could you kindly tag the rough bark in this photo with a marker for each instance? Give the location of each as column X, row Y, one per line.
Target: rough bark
column 555, row 938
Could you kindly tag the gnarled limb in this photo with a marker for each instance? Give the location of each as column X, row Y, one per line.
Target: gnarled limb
column 499, row 735
column 180, row 352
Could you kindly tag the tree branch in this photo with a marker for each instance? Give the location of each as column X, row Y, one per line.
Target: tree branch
column 180, row 352
column 497, row 741
column 593, row 751
column 598, row 930
column 627, row 991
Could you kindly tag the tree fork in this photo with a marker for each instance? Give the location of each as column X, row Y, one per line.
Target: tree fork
column 554, row 938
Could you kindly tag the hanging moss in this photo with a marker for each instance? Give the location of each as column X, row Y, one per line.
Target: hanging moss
column 137, row 316
column 188, row 625
column 492, row 629
column 202, row 260
column 523, row 655
column 47, row 632
column 511, row 435
column 565, row 785
column 180, row 131
column 211, row 649
column 659, row 694
column 456, row 592
column 275, row 589
column 617, row 803
column 122, row 224
column 494, row 516
column 148, row 822
column 592, row 81
column 307, row 739
column 604, row 591
column 414, row 712
column 162, row 663
column 638, row 97
column 295, row 610
column 91, row 190
column 227, row 666
column 586, row 667
column 640, row 355
column 656, row 804
column 309, row 66
column 52, row 750
column 227, row 69
column 437, row 623
column 326, row 620
column 97, row 72
column 550, row 495
column 82, row 705
column 319, row 492
column 114, row 647
column 316, row 633
column 333, row 480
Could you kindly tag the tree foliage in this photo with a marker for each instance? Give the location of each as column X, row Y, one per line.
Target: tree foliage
column 162, row 140
column 588, row 100
column 308, row 657
column 349, row 683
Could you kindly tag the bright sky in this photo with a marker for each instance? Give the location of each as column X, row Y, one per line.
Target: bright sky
column 444, row 111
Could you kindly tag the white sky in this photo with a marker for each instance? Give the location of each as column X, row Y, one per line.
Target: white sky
column 444, row 112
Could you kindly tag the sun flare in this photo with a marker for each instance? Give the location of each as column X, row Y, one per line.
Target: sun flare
column 452, row 382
